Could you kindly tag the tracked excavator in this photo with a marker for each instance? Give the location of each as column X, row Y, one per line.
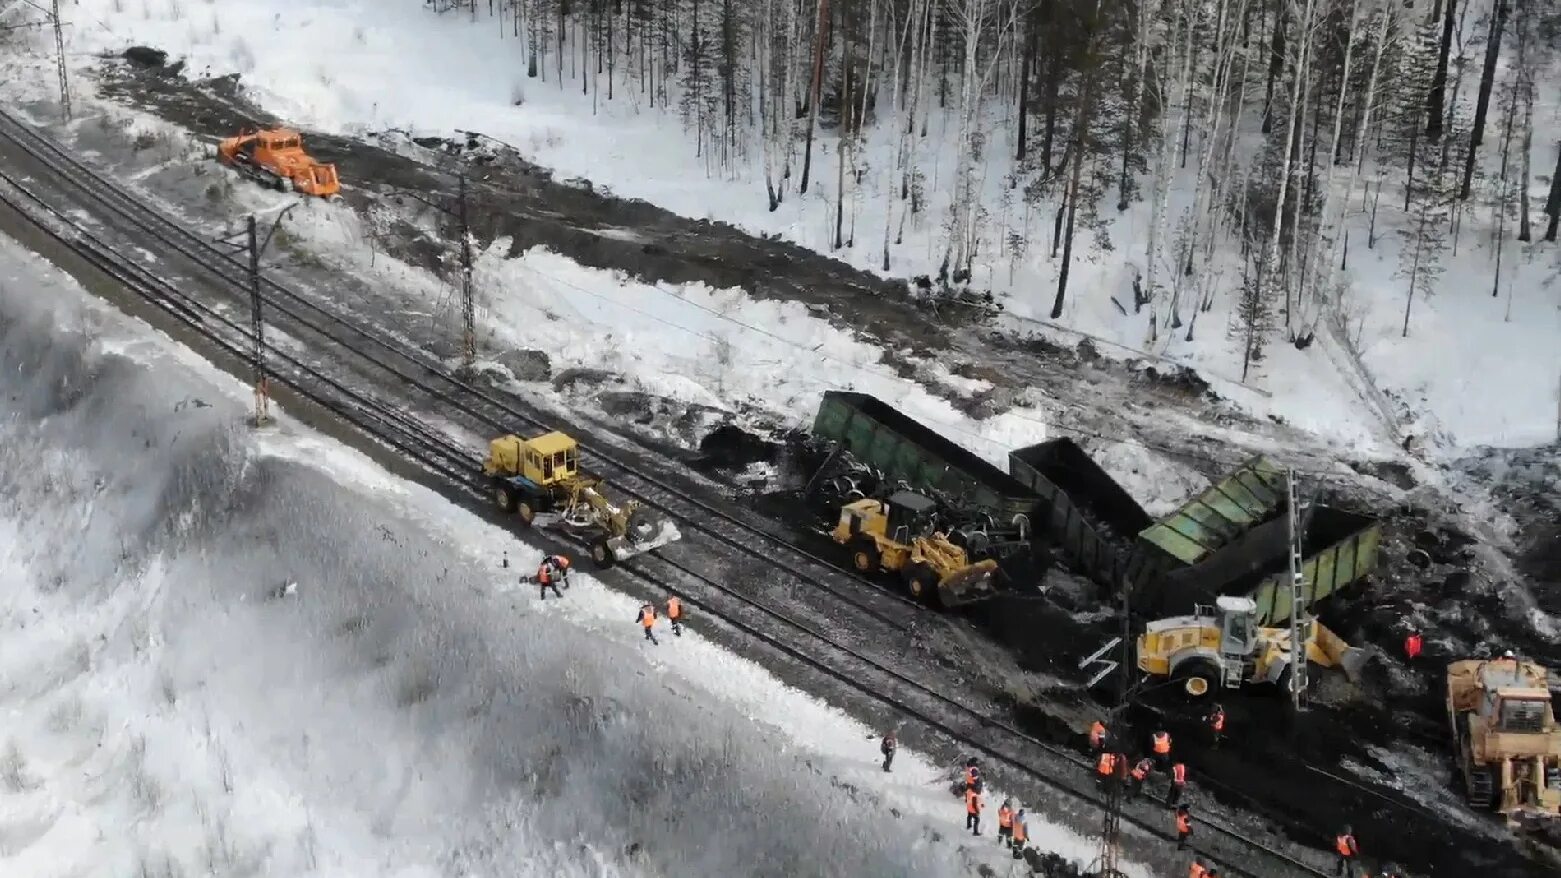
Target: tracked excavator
column 1222, row 647
column 896, row 535
column 539, row 480
column 1508, row 741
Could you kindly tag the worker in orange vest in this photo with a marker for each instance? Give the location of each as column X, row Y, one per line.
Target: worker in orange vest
column 1347, row 850
column 647, row 620
column 675, row 614
column 560, row 565
column 547, row 578
column 1106, row 768
column 1021, row 834
column 1160, row 742
column 1413, row 644
column 1139, row 774
column 1197, row 869
column 1097, row 736
column 973, row 811
column 1005, row 823
column 1178, row 785
column 1216, row 721
column 973, row 779
column 1183, row 827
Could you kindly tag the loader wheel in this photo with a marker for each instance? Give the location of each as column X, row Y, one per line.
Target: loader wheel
column 525, row 512
column 504, row 498
column 285, row 184
column 602, row 554
column 922, row 583
column 1198, row 677
column 864, row 555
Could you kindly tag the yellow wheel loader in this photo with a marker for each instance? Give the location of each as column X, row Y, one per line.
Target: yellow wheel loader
column 1509, row 744
column 1222, row 647
column 541, row 476
column 896, row 535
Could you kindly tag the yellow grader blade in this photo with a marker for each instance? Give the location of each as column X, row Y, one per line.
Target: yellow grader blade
column 644, row 535
column 968, row 584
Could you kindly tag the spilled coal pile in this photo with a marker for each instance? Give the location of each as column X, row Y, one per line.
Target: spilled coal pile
column 234, row 662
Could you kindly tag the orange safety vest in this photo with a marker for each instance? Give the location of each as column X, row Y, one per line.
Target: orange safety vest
column 1021, row 832
column 648, row 616
column 1005, row 817
column 1141, row 770
column 1183, row 824
column 1197, row 870
column 674, row 609
column 1107, row 764
column 1345, row 845
column 1162, row 743
column 972, row 802
column 971, row 776
column 1179, row 774
column 1218, row 721
column 544, row 574
column 1097, row 734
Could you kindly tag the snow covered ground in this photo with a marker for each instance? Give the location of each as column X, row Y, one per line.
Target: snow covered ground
column 1469, row 373
column 173, row 709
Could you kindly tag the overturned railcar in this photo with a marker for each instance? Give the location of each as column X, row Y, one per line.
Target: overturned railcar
column 1234, row 539
column 904, row 449
column 1083, row 511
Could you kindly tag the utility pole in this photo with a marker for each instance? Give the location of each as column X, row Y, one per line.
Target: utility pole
column 253, row 246
column 1110, row 849
column 59, row 59
column 468, row 307
column 1298, row 624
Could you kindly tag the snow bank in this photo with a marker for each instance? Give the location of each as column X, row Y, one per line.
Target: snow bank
column 404, row 711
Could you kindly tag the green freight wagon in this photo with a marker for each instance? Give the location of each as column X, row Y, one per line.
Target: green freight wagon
column 1233, row 539
column 881, row 436
column 1084, row 511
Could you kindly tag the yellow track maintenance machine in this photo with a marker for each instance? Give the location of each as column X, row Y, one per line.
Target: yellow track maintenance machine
column 897, row 536
column 1509, row 744
column 541, row 477
column 1222, row 647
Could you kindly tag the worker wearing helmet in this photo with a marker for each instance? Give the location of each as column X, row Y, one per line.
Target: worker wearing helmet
column 973, row 811
column 1021, row 834
column 1183, row 827
column 1347, row 850
column 1139, row 774
column 1005, row 822
column 647, row 620
column 1178, row 785
column 547, row 577
column 675, row 614
column 1160, row 743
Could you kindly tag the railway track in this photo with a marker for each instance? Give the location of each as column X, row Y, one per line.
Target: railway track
column 706, row 581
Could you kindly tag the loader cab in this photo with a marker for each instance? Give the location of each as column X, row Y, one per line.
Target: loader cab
column 908, row 515
column 551, row 458
column 1238, row 625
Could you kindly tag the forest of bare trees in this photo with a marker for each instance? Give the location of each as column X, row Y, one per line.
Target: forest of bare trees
column 1271, row 129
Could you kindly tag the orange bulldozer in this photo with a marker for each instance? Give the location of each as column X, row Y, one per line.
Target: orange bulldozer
column 276, row 158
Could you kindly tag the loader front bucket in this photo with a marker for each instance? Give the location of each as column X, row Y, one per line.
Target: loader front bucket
column 1329, row 650
column 968, row 584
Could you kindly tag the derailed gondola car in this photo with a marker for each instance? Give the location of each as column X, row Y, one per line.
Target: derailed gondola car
column 877, row 449
column 1231, row 539
column 1234, row 539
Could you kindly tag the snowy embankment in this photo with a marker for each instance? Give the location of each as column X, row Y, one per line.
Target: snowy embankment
column 1471, row 371
column 172, row 708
